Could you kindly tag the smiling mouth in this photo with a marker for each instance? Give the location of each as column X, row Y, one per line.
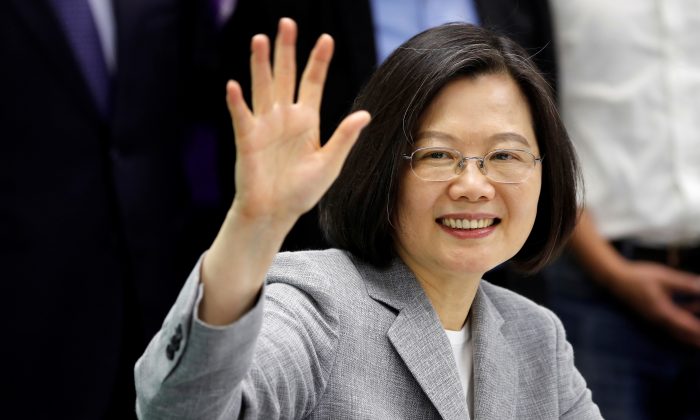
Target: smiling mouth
column 467, row 224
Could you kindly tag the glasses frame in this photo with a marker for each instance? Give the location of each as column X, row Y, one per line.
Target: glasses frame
column 462, row 162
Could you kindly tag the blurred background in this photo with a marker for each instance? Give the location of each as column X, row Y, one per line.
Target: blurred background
column 117, row 158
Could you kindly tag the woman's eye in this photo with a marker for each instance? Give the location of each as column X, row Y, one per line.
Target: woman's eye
column 437, row 155
column 504, row 156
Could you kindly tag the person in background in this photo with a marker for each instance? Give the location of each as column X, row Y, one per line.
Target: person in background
column 629, row 290
column 100, row 102
column 365, row 32
column 445, row 182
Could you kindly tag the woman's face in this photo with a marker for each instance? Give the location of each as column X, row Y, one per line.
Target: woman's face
column 474, row 116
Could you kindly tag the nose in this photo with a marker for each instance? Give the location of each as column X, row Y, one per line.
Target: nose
column 471, row 182
column 465, row 162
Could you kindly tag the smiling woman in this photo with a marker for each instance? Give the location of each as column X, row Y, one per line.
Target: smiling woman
column 419, row 71
column 445, row 182
column 472, row 111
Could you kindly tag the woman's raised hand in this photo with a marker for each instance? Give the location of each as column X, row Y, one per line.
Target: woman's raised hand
column 281, row 170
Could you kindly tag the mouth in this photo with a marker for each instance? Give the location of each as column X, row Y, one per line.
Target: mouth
column 467, row 224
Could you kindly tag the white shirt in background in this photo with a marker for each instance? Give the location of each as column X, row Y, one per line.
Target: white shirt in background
column 630, row 98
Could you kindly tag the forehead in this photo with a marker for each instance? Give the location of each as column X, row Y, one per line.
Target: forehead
column 487, row 110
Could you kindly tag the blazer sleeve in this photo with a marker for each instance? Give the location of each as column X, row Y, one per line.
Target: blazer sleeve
column 272, row 363
column 575, row 401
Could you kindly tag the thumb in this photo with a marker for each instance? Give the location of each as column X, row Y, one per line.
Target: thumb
column 338, row 146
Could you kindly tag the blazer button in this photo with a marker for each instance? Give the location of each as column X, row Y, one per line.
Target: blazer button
column 178, row 334
column 170, row 352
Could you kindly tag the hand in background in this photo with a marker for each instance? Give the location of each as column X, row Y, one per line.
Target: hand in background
column 647, row 287
column 650, row 288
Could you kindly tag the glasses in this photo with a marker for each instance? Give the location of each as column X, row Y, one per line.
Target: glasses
column 506, row 166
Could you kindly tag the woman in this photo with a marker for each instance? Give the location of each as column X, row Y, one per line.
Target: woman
column 446, row 182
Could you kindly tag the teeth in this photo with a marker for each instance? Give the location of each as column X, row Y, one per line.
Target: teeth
column 466, row 223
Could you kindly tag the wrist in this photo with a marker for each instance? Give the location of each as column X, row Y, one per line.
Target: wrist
column 271, row 225
column 606, row 266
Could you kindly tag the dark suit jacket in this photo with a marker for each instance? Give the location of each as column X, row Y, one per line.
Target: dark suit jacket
column 351, row 25
column 92, row 211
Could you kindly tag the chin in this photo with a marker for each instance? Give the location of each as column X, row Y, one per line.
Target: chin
column 469, row 265
column 476, row 262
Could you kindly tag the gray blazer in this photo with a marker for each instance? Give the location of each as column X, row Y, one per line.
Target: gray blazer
column 333, row 338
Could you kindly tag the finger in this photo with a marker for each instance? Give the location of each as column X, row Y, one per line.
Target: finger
column 686, row 328
column 682, row 282
column 692, row 306
column 285, row 71
column 683, row 323
column 261, row 74
column 314, row 77
column 241, row 115
column 344, row 137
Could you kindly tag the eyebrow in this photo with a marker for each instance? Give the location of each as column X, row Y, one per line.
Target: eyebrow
column 496, row 138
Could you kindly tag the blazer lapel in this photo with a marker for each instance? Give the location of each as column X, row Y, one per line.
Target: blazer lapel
column 418, row 337
column 422, row 344
column 495, row 374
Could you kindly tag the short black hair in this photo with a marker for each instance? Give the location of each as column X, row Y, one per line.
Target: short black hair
column 357, row 212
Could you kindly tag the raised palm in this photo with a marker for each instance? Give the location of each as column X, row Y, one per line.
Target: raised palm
column 282, row 170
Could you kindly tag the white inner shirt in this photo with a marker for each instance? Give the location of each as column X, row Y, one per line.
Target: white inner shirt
column 461, row 343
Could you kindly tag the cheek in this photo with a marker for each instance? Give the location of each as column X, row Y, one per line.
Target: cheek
column 530, row 206
column 406, row 234
column 414, row 211
column 408, row 213
column 522, row 203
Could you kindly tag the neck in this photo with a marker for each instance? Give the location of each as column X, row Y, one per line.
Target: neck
column 452, row 297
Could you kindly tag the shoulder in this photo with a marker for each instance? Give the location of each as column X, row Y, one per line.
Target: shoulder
column 523, row 315
column 331, row 268
column 512, row 305
column 535, row 345
column 311, row 263
column 327, row 278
